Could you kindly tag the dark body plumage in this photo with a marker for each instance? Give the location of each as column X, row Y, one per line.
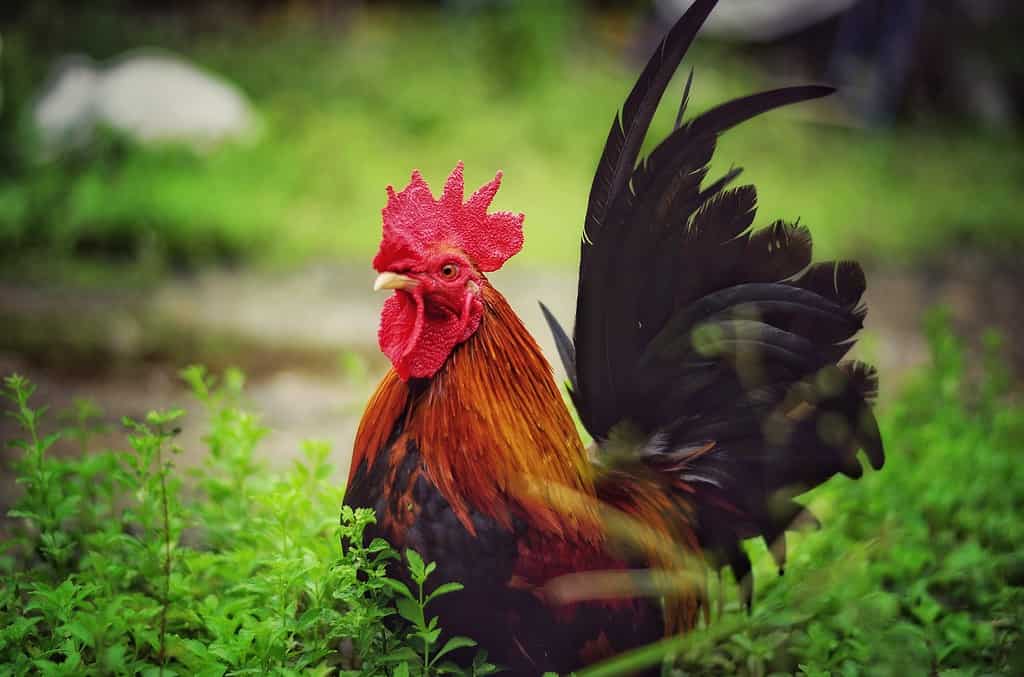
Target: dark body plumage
column 706, row 363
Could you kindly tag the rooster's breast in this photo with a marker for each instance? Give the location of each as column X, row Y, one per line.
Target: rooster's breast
column 412, row 513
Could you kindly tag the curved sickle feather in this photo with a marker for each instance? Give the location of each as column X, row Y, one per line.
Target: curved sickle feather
column 628, row 132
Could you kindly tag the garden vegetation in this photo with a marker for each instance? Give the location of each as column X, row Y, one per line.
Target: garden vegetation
column 117, row 563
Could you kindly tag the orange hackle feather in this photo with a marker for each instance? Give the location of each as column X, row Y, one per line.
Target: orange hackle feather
column 496, row 440
column 387, row 403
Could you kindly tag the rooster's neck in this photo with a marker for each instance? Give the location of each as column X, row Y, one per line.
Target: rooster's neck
column 493, row 431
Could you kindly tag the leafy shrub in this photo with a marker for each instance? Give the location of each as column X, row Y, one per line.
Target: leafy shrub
column 119, row 569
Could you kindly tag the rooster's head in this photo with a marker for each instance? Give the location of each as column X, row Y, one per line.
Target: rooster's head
column 434, row 254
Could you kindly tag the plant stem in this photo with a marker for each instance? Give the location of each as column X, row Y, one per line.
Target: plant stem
column 167, row 554
column 426, row 644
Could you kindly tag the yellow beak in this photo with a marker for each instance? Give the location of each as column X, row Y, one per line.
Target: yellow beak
column 391, row 280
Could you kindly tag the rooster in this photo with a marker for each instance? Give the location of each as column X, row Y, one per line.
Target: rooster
column 707, row 365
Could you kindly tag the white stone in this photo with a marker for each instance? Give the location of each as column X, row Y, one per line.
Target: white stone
column 150, row 96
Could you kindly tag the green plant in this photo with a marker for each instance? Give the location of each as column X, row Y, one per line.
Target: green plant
column 423, row 657
column 45, row 504
column 121, row 566
column 116, row 563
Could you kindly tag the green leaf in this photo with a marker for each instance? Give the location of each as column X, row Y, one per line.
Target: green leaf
column 378, row 545
column 453, row 644
column 49, row 440
column 430, row 635
column 79, row 632
column 416, row 568
column 163, row 417
column 410, row 610
column 481, row 666
column 402, row 654
column 114, row 658
column 399, row 587
column 444, row 589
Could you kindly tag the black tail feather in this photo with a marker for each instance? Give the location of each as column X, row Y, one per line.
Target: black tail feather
column 728, row 115
column 721, row 345
column 684, row 102
column 566, row 350
column 628, row 132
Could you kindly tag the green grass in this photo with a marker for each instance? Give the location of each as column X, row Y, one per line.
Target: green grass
column 344, row 115
column 117, row 564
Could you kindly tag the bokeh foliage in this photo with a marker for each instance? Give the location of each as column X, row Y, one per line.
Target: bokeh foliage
column 350, row 106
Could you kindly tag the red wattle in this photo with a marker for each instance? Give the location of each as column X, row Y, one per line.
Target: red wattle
column 418, row 341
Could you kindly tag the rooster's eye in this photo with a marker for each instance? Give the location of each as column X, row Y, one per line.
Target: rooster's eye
column 449, row 271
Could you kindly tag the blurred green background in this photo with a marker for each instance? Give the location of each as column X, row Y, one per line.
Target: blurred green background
column 916, row 177
column 124, row 259
column 351, row 96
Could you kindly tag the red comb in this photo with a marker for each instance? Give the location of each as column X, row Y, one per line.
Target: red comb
column 415, row 223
